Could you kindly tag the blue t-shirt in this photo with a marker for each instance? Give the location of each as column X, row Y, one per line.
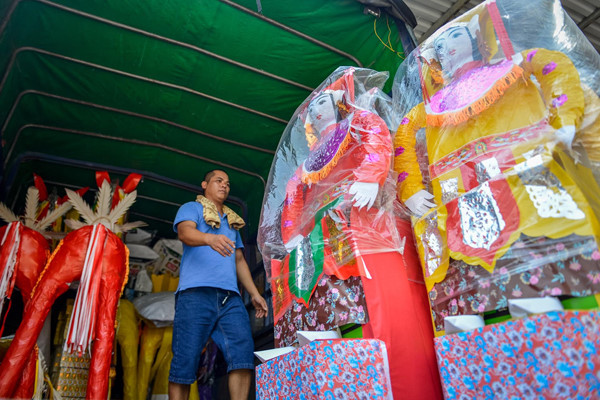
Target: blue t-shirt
column 202, row 266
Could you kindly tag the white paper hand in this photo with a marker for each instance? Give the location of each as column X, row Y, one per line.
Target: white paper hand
column 364, row 194
column 419, row 202
column 293, row 243
column 565, row 135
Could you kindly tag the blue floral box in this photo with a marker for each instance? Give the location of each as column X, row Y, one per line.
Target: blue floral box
column 546, row 356
column 327, row 369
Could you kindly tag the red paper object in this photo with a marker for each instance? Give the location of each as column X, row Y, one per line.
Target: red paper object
column 32, row 256
column 64, row 267
column 399, row 315
column 29, row 260
column 327, row 369
column 550, row 356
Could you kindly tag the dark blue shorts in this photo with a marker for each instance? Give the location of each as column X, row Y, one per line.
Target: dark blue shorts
column 205, row 312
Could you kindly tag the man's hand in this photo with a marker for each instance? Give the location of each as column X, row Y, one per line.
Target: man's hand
column 245, row 278
column 260, row 305
column 191, row 236
column 221, row 244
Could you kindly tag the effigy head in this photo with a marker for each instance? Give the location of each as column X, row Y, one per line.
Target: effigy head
column 458, row 45
column 490, row 34
column 466, row 42
column 315, row 138
column 322, row 112
column 326, row 107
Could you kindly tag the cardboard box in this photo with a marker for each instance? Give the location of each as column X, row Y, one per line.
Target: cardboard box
column 170, row 252
column 553, row 355
column 356, row 368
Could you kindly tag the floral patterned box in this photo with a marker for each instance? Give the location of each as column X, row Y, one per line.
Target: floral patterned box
column 549, row 356
column 327, row 369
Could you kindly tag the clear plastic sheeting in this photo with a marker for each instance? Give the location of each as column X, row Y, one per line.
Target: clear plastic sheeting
column 496, row 154
column 330, row 196
column 157, row 308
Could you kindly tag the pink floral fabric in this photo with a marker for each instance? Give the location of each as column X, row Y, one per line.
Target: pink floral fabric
column 334, row 303
column 548, row 356
column 532, row 267
column 327, row 369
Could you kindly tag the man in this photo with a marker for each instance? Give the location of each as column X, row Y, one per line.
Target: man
column 207, row 302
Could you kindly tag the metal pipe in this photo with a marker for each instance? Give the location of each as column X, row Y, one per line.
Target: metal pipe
column 118, row 170
column 293, row 31
column 151, row 217
column 138, row 77
column 138, row 196
column 6, row 18
column 132, row 141
column 443, row 19
column 125, row 112
column 589, row 19
column 177, row 43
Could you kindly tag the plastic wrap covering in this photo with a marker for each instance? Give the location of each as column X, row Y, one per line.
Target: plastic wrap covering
column 327, row 369
column 496, row 153
column 156, row 308
column 128, row 338
column 154, row 364
column 150, row 343
column 330, row 195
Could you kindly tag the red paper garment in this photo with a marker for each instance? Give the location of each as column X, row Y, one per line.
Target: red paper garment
column 399, row 315
column 64, row 267
column 30, row 261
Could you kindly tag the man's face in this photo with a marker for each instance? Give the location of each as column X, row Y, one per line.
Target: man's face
column 217, row 187
column 454, row 49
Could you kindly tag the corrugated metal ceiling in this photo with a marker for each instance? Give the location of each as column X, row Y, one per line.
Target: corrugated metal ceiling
column 431, row 14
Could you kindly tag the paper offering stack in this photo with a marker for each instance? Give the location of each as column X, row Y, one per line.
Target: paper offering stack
column 304, row 337
column 140, row 257
column 170, row 252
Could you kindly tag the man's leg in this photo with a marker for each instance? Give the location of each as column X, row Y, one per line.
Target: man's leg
column 195, row 315
column 233, row 336
column 239, row 383
column 178, row 391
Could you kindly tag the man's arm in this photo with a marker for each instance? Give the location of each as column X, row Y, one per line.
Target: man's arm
column 188, row 234
column 244, row 276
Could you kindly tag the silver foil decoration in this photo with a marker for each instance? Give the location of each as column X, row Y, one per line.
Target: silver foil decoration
column 529, row 167
column 546, row 192
column 305, row 266
column 432, row 244
column 553, row 204
column 480, row 219
column 449, row 189
column 487, row 169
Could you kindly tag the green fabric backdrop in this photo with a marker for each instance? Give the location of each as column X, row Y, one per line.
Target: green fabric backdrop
column 128, row 85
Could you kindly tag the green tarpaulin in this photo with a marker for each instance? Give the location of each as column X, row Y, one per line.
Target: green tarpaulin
column 169, row 89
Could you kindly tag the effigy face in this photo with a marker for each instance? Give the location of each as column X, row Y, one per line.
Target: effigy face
column 453, row 48
column 330, row 199
column 500, row 119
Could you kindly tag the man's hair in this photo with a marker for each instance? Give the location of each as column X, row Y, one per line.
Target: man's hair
column 211, row 173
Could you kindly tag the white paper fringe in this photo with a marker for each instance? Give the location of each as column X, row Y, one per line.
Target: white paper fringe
column 83, row 319
column 9, row 268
